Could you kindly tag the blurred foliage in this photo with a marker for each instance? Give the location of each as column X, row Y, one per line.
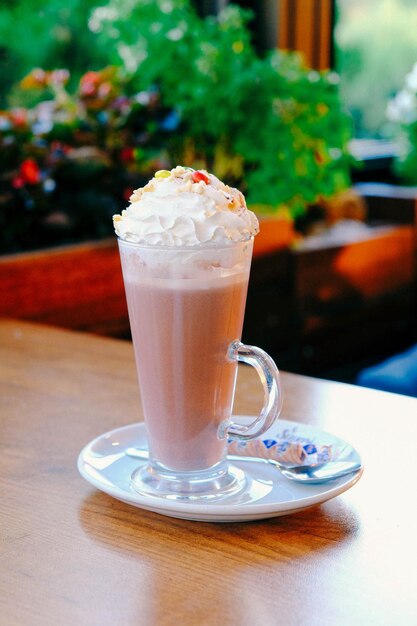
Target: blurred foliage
column 180, row 89
column 406, row 164
column 376, row 43
column 71, row 162
column 48, row 34
column 271, row 126
column 402, row 111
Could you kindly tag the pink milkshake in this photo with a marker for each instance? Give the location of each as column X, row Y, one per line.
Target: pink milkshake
column 181, row 330
column 186, row 245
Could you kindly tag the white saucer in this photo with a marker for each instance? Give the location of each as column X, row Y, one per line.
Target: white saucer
column 105, row 464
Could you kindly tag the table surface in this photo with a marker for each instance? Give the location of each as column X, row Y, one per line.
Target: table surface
column 71, row 555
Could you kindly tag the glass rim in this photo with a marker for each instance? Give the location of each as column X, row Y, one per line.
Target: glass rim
column 192, row 248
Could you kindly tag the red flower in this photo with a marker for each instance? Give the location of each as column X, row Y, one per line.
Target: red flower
column 30, row 172
column 89, row 83
column 18, row 117
column 127, row 154
column 18, row 182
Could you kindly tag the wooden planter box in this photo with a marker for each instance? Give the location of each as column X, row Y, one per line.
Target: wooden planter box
column 77, row 286
column 356, row 300
column 311, row 308
column 319, row 307
column 81, row 286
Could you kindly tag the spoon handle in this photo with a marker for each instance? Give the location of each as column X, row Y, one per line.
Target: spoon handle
column 321, row 473
column 307, row 474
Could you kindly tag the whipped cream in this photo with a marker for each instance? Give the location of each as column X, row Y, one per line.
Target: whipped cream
column 184, row 207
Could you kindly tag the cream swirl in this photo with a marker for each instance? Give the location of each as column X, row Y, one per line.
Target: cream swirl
column 184, row 207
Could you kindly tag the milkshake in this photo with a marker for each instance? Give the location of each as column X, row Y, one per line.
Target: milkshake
column 181, row 330
column 186, row 244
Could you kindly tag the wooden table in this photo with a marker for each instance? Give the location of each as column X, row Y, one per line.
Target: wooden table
column 71, row 555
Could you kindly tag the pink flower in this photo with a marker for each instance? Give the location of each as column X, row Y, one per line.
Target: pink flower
column 89, row 83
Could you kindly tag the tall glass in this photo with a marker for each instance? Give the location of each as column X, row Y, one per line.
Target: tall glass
column 186, row 309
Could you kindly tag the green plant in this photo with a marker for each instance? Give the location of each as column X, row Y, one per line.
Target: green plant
column 181, row 90
column 72, row 161
column 402, row 111
column 45, row 33
column 271, row 125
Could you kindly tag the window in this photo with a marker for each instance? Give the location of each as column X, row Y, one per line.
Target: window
column 375, row 47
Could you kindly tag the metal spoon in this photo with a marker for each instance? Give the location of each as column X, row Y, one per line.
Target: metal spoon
column 307, row 474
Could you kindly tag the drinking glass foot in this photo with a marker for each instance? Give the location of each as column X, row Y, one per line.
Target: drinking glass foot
column 214, row 484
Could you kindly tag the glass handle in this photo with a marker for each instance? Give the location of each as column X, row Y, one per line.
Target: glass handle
column 270, row 379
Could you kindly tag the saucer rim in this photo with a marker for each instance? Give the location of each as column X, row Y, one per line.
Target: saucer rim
column 215, row 511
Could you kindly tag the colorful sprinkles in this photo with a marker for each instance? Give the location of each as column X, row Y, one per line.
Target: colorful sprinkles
column 200, row 176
